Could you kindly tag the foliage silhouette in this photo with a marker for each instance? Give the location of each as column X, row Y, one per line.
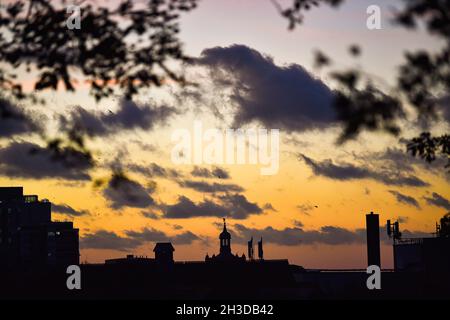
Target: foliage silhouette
column 116, row 50
column 423, row 79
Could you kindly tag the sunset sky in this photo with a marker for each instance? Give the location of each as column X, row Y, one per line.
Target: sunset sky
column 251, row 72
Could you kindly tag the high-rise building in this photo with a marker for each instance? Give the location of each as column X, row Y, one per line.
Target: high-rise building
column 28, row 237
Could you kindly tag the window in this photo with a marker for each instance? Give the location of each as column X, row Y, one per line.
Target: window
column 30, row 199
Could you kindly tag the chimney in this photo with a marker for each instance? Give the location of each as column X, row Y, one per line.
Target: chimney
column 373, row 239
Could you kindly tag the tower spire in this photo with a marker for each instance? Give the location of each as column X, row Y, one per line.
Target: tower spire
column 225, row 240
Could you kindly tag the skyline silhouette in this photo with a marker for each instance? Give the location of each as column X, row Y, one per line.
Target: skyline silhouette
column 36, row 252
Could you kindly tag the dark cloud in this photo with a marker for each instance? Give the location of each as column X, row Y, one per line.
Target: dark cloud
column 109, row 240
column 406, row 234
column 14, row 120
column 402, row 198
column 150, row 215
column 347, row 171
column 395, row 158
column 399, row 160
column 124, row 192
column 152, row 235
column 402, row 219
column 305, row 208
column 297, row 235
column 153, row 170
column 147, row 235
column 145, row 146
column 185, row 238
column 234, row 206
column 437, row 200
column 444, row 107
column 29, row 160
column 68, row 210
column 206, row 187
column 330, row 235
column 215, row 172
column 326, row 168
column 269, row 207
column 186, row 208
column 239, row 206
column 295, row 141
column 286, row 97
column 129, row 116
column 298, row 224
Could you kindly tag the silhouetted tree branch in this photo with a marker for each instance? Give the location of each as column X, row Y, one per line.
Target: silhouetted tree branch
column 117, row 50
column 426, row 146
column 422, row 79
column 294, row 13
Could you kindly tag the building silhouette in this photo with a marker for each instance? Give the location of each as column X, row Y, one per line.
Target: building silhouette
column 28, row 237
column 164, row 252
column 430, row 255
column 163, row 257
column 225, row 254
column 373, row 239
column 250, row 249
column 130, row 260
column 260, row 250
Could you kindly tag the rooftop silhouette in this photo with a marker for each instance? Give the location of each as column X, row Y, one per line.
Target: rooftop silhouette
column 33, row 245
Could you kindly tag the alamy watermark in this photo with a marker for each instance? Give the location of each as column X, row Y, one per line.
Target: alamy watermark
column 73, row 282
column 374, row 280
column 373, row 21
column 254, row 146
column 74, row 20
